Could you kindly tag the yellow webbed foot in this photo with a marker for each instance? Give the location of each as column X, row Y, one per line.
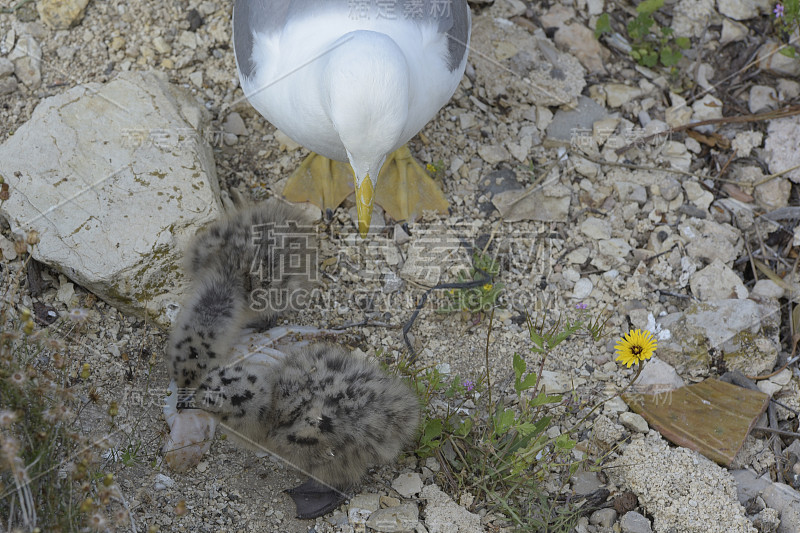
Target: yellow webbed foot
column 405, row 189
column 321, row 181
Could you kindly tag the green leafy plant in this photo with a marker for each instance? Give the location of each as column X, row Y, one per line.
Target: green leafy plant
column 436, row 169
column 478, row 299
column 494, row 444
column 787, row 18
column 650, row 42
column 51, row 472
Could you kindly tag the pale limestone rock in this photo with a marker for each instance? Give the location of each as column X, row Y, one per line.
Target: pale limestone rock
column 717, row 281
column 744, row 9
column 525, row 68
column 770, row 59
column 691, row 17
column 681, row 489
column 781, row 146
column 407, row 485
column 709, row 107
column 27, row 58
column 115, row 178
column 61, row 14
column 443, row 515
column 618, row 94
column 762, row 98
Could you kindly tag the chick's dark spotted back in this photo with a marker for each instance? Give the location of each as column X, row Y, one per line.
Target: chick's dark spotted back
column 250, row 267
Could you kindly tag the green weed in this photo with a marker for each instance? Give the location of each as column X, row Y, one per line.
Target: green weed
column 495, row 445
column 480, row 299
column 787, row 18
column 51, row 477
column 651, row 43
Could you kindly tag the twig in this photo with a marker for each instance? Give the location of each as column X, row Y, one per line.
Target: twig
column 789, row 361
column 665, row 252
column 631, row 166
column 787, row 111
column 776, row 443
column 486, row 278
column 776, row 175
column 780, row 432
column 673, row 294
column 488, row 374
column 725, row 166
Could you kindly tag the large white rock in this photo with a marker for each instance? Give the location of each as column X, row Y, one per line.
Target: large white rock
column 781, row 146
column 512, row 63
column 443, row 515
column 717, row 282
column 744, row 9
column 680, row 488
column 115, row 178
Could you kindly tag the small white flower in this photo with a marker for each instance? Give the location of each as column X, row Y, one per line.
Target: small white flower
column 7, row 417
column 78, row 314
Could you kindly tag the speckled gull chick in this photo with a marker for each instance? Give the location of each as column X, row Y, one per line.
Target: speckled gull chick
column 323, row 410
column 354, row 81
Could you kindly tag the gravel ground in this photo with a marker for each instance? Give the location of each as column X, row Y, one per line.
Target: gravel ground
column 614, row 240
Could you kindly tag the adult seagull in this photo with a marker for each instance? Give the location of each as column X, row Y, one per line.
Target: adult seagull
column 353, row 81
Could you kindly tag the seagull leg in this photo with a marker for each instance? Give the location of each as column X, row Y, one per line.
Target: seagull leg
column 313, row 499
column 405, row 190
column 321, row 181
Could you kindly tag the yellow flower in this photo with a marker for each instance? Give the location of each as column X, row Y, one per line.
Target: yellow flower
column 635, row 347
column 487, row 287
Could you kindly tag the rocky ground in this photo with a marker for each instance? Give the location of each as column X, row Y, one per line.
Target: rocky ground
column 559, row 154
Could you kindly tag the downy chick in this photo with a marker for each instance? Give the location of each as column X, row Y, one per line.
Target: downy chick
column 250, row 267
column 323, row 410
column 255, row 264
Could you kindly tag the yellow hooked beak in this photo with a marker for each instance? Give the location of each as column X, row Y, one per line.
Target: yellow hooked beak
column 364, row 194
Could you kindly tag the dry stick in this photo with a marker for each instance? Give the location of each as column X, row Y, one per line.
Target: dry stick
column 485, row 278
column 795, row 336
column 787, row 111
column 725, row 166
column 751, row 259
column 776, row 443
column 488, row 374
column 781, row 432
column 776, row 175
column 631, row 166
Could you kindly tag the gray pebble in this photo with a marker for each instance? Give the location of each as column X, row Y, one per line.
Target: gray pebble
column 670, row 189
column 633, row 522
column 603, row 517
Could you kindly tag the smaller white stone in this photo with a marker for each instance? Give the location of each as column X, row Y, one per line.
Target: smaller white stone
column 65, row 292
column 762, row 98
column 618, row 94
column 782, row 378
column 732, row 31
column 583, row 288
column 709, row 107
column 188, row 39
column 196, row 78
column 596, row 228
column 634, row 422
column 235, row 124
column 766, row 288
column 162, row 482
column 768, row 387
column 407, row 485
